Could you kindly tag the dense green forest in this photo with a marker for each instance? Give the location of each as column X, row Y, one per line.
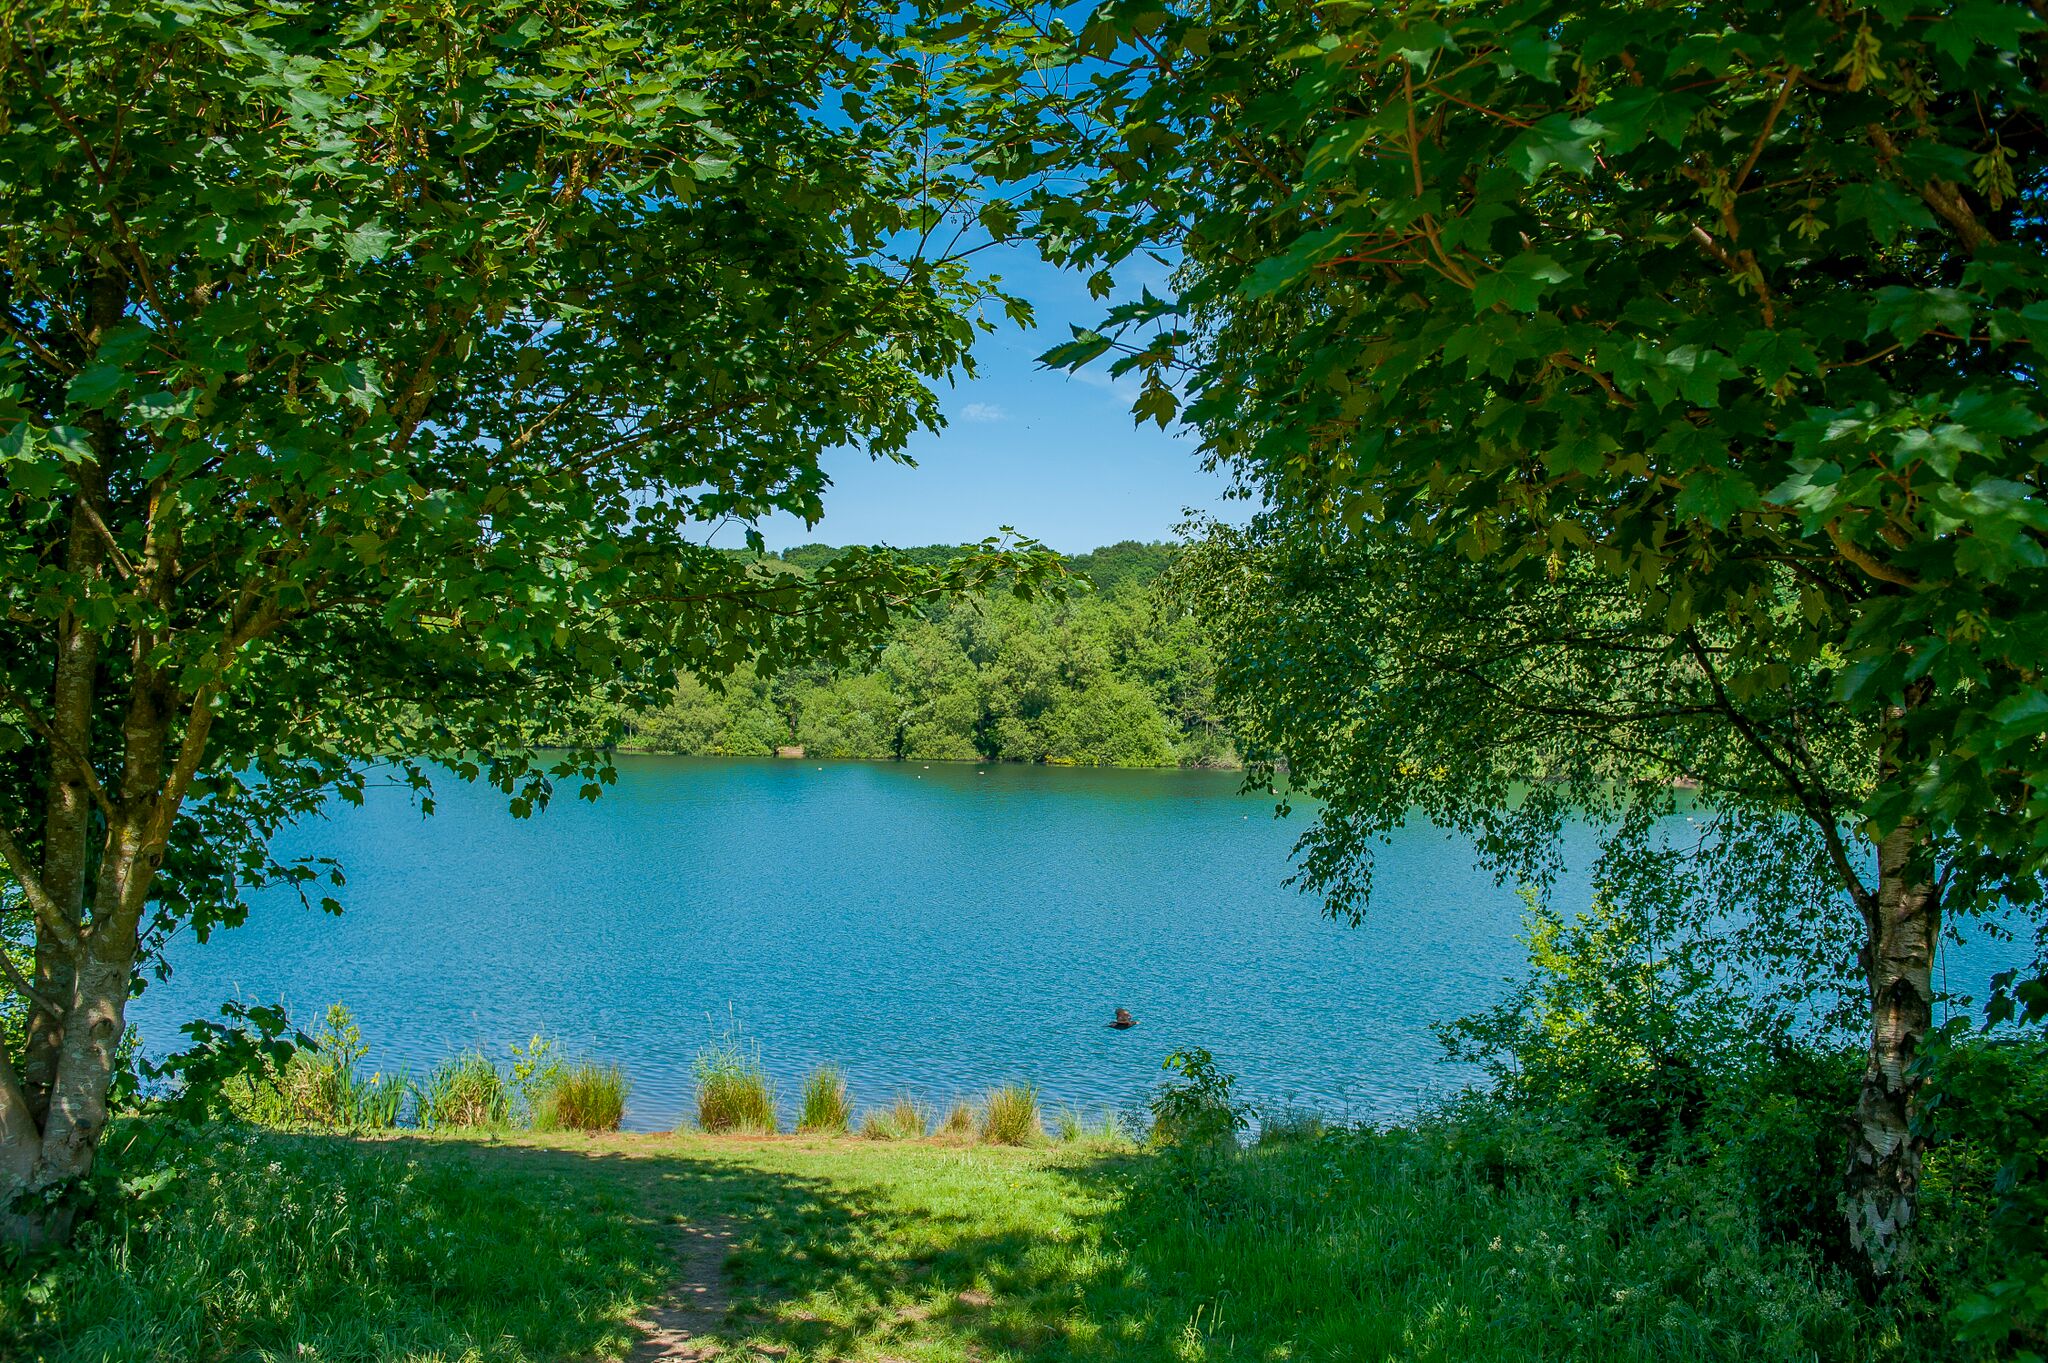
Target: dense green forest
column 1111, row 674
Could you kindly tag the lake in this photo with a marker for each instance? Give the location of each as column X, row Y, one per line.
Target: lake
column 937, row 929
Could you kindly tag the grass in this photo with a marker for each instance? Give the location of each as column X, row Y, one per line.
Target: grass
column 826, row 1106
column 1010, row 1116
column 961, row 1122
column 903, row 1120
column 733, row 1089
column 582, row 1096
column 463, row 1091
column 264, row 1246
column 1477, row 1237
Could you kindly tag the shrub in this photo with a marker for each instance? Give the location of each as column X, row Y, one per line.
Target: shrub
column 1613, row 1021
column 464, row 1090
column 1198, row 1109
column 584, row 1096
column 902, row 1120
column 536, row 1067
column 1011, row 1116
column 733, row 1090
column 827, row 1107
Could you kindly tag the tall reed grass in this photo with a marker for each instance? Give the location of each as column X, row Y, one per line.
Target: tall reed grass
column 827, row 1106
column 961, row 1123
column 734, row 1092
column 583, row 1096
column 464, row 1090
column 322, row 1085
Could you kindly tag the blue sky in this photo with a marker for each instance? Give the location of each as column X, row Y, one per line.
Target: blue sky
column 1054, row 455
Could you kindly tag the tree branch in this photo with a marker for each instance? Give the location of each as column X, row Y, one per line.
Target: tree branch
column 39, row 901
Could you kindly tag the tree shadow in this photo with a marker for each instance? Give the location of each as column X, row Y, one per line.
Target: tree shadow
column 926, row 1262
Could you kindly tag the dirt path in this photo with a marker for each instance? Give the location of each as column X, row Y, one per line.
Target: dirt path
column 683, row 1325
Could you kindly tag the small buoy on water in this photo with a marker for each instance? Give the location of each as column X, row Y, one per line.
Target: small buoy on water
column 1123, row 1020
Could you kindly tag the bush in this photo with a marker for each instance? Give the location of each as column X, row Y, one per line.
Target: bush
column 827, row 1106
column 1198, row 1109
column 902, row 1120
column 536, row 1067
column 733, row 1090
column 465, row 1090
column 584, row 1096
column 1011, row 1116
column 1986, row 1185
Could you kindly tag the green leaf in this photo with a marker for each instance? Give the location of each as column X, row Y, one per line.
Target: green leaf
column 1715, row 496
column 1559, row 140
column 1520, row 283
column 96, row 385
column 368, row 242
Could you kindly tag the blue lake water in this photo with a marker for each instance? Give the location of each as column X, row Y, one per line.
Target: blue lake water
column 936, row 929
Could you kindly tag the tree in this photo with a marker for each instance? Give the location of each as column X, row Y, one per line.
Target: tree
column 1743, row 306
column 372, row 375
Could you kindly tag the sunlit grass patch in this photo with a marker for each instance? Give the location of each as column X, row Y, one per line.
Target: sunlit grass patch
column 259, row 1246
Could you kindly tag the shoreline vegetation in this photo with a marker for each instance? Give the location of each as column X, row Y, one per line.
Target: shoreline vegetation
column 1116, row 675
column 472, row 1214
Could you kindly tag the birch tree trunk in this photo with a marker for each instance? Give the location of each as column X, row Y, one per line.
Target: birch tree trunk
column 1882, row 1184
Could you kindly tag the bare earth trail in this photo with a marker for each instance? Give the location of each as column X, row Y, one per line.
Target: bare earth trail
column 683, row 1325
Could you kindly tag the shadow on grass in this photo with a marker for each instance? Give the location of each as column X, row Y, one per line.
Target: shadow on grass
column 851, row 1250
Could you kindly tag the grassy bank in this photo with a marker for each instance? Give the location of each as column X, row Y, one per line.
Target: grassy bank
column 1485, row 1237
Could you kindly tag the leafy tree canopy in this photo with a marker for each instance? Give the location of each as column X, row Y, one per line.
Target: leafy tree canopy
column 371, row 377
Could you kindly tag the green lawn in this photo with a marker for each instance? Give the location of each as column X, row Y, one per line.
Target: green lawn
column 1458, row 1243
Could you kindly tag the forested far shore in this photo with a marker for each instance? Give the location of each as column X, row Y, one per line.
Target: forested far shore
column 1113, row 674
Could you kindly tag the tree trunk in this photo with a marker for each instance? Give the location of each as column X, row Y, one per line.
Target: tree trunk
column 1904, row 922
column 47, row 1147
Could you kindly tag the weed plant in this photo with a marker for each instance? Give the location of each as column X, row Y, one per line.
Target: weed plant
column 322, row 1085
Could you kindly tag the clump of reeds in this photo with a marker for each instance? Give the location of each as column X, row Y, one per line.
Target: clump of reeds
column 1010, row 1117
column 464, row 1090
column 902, row 1120
column 583, row 1096
column 827, row 1107
column 962, row 1122
column 733, row 1090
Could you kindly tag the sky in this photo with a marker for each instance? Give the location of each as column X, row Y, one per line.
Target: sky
column 1053, row 455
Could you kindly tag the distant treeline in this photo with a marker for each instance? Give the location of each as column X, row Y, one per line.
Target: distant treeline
column 1115, row 676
